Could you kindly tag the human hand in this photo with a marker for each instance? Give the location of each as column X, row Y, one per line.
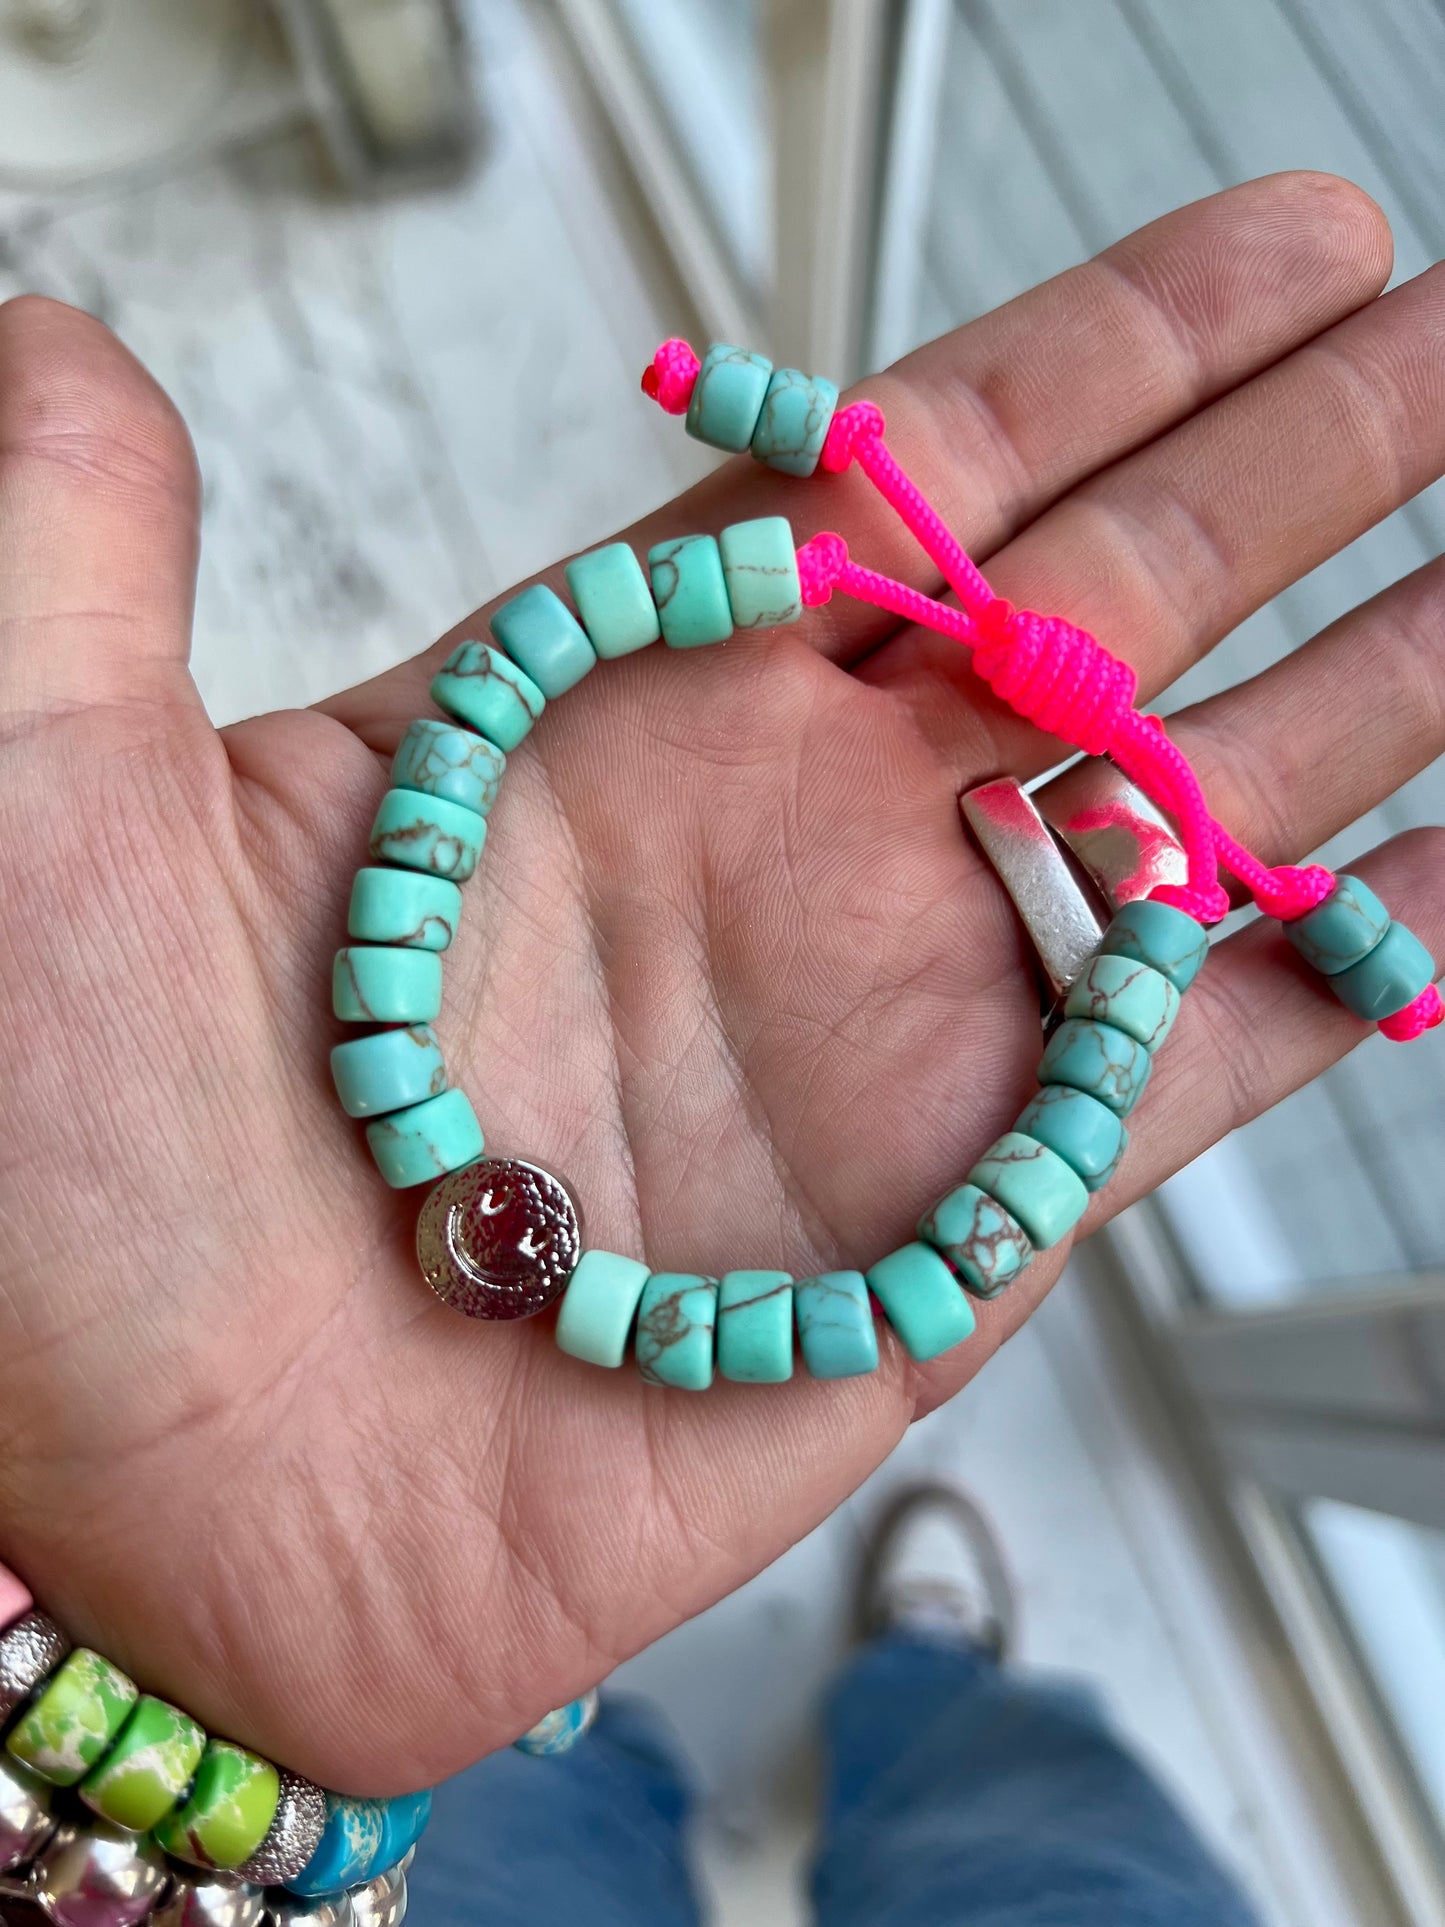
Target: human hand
column 730, row 964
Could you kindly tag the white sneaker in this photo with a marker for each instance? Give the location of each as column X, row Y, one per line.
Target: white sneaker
column 933, row 1569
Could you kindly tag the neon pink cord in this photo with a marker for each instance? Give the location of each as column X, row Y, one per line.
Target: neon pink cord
column 1046, row 669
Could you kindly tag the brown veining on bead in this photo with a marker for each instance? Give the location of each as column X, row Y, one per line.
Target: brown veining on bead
column 982, row 1241
column 476, row 661
column 668, row 1321
column 446, row 855
column 499, row 1239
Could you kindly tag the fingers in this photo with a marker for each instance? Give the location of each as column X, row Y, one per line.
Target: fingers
column 1259, row 1023
column 1304, row 749
column 99, row 506
column 1171, row 548
column 999, row 417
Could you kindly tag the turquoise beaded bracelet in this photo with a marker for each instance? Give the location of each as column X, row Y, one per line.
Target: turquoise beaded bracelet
column 501, row 1238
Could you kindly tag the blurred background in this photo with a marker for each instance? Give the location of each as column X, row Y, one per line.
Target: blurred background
column 400, row 262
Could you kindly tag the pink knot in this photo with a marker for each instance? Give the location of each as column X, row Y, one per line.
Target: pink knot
column 1055, row 675
column 1206, row 905
column 670, row 377
column 849, row 426
column 820, row 563
column 1291, row 892
column 1415, row 1019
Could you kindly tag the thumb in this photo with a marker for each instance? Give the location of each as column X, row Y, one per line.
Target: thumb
column 99, row 515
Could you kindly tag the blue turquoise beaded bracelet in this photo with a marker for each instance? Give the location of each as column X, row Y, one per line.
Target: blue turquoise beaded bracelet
column 500, row 1238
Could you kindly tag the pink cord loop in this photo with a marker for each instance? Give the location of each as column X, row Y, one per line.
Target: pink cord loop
column 1206, row 905
column 1055, row 675
column 821, row 561
column 859, row 421
column 1415, row 1019
column 670, row 377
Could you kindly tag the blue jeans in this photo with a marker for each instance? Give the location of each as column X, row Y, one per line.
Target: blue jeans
column 958, row 1795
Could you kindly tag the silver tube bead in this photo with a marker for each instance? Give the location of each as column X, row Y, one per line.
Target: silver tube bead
column 293, row 1836
column 30, row 1651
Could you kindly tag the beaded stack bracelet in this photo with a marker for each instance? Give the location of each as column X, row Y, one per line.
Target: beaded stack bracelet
column 501, row 1238
column 117, row 1808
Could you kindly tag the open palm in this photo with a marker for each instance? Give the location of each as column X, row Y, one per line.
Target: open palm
column 730, row 965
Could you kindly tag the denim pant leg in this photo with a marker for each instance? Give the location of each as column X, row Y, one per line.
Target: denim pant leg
column 962, row 1795
column 590, row 1838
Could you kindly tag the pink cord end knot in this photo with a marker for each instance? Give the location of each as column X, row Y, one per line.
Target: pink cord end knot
column 821, row 561
column 857, row 422
column 670, row 377
column 1290, row 892
column 1415, row 1019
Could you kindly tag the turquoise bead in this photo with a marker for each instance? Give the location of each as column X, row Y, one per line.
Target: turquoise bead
column 439, row 759
column 372, row 985
column 978, row 1238
column 1085, row 1133
column 403, row 1822
column 559, row 1731
column 1096, row 1058
column 389, row 1071
column 727, row 397
column 405, row 907
column 1034, row 1185
column 428, row 833
column 755, row 1327
column 1393, row 975
column 835, row 1325
column 613, row 600
column 675, row 1324
column 543, row 637
column 760, row 567
column 1127, row 994
column 690, row 591
column 797, row 413
column 423, row 1143
column 1158, row 935
column 351, row 1841
column 486, row 689
column 923, row 1301
column 1341, row 931
column 599, row 1306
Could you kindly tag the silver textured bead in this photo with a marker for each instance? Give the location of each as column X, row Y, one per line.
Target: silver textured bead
column 25, row 1818
column 1065, row 926
column 30, row 1651
column 381, row 1902
column 215, row 1902
column 318, row 1910
column 293, row 1836
column 99, row 1876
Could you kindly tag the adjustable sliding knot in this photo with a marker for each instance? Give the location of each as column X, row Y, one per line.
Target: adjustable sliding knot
column 1053, row 674
column 859, row 421
column 821, row 561
column 670, row 377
